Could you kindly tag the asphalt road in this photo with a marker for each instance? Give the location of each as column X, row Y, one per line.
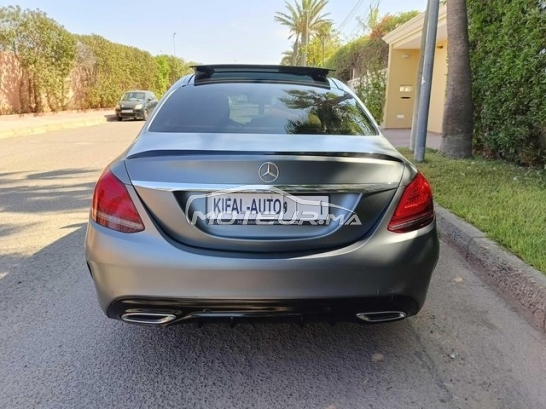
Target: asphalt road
column 466, row 349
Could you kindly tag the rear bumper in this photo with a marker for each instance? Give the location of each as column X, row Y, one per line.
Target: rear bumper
column 181, row 311
column 388, row 271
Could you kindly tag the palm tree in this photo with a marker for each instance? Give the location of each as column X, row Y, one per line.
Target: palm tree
column 458, row 114
column 303, row 19
column 287, row 58
column 291, row 20
column 324, row 33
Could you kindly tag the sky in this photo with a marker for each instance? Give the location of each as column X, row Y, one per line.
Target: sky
column 207, row 31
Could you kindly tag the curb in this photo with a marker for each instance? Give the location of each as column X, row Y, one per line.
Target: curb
column 519, row 284
column 41, row 129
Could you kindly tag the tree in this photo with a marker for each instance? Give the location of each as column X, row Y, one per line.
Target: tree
column 458, row 114
column 45, row 51
column 369, row 52
column 303, row 19
column 109, row 69
column 288, row 58
column 170, row 70
column 291, row 20
column 374, row 56
column 163, row 73
column 371, row 20
column 322, row 45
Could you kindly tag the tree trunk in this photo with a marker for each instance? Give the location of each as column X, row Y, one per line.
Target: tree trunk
column 458, row 119
column 31, row 106
column 34, row 85
column 304, row 42
column 24, row 92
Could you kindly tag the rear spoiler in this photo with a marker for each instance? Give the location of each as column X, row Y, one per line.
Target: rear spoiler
column 235, row 72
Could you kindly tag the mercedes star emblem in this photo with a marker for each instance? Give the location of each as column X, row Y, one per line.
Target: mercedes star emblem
column 268, row 172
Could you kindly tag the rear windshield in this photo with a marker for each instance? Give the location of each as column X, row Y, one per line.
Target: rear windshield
column 262, row 109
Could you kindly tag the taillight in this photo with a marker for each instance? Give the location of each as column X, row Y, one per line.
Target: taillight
column 415, row 209
column 113, row 207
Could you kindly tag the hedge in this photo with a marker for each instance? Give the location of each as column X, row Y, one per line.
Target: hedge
column 77, row 71
column 508, row 58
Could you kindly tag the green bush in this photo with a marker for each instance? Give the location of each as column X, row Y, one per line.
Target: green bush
column 45, row 52
column 372, row 92
column 508, row 57
column 346, row 58
column 100, row 71
column 109, row 69
column 171, row 69
column 368, row 52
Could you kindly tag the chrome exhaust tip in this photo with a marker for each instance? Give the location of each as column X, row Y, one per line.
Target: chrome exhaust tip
column 148, row 318
column 382, row 316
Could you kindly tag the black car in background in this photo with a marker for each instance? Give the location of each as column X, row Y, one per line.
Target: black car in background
column 136, row 104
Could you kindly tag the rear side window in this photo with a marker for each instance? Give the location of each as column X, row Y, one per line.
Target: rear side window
column 262, row 108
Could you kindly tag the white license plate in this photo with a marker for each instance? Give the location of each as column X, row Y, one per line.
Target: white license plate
column 267, row 206
column 126, row 111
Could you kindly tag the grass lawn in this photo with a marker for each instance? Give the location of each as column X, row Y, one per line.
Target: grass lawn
column 506, row 202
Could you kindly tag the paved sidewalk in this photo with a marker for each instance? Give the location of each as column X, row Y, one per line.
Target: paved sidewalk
column 30, row 124
column 523, row 286
column 400, row 138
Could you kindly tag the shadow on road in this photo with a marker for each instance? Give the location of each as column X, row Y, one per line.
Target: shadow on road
column 24, row 199
column 61, row 173
column 55, row 191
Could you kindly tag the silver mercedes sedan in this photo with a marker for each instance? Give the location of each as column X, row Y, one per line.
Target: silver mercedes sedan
column 261, row 193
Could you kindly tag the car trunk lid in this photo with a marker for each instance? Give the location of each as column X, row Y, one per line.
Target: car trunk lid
column 349, row 180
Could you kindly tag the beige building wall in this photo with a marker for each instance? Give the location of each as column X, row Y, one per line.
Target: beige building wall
column 402, row 73
column 14, row 87
column 10, row 82
column 438, row 93
column 404, row 53
column 403, row 70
